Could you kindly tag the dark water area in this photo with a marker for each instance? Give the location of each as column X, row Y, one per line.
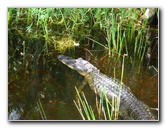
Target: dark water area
column 44, row 83
column 47, row 90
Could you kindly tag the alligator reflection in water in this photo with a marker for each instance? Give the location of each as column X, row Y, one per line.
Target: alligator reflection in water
column 134, row 109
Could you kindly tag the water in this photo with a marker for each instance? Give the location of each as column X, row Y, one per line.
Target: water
column 53, row 84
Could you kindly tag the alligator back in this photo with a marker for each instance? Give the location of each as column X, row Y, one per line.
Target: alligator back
column 130, row 107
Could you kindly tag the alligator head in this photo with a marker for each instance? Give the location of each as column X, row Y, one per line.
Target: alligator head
column 80, row 65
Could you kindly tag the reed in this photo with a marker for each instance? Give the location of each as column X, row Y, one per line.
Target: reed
column 84, row 108
column 106, row 110
column 121, row 28
column 41, row 110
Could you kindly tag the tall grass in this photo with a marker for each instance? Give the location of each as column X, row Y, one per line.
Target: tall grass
column 105, row 109
column 118, row 31
column 86, row 111
column 121, row 27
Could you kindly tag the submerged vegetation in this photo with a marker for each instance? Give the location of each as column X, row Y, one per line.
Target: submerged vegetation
column 39, row 33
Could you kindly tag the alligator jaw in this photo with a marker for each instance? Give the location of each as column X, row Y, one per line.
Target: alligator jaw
column 81, row 66
column 70, row 62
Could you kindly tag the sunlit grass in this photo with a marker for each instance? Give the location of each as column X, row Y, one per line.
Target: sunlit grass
column 84, row 108
column 105, row 109
column 60, row 28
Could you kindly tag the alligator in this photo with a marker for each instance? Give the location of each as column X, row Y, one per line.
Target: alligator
column 131, row 107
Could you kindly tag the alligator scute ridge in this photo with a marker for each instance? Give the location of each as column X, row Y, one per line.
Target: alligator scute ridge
column 133, row 108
